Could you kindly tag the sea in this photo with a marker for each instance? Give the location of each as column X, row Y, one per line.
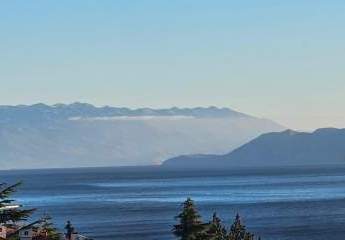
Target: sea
column 137, row 203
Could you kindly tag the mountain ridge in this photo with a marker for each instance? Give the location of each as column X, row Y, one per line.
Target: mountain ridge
column 82, row 135
column 286, row 148
column 78, row 109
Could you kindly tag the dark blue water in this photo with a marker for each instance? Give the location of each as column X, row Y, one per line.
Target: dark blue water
column 140, row 203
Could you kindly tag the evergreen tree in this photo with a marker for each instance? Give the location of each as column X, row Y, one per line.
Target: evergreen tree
column 248, row 236
column 238, row 231
column 7, row 212
column 216, row 231
column 48, row 229
column 190, row 225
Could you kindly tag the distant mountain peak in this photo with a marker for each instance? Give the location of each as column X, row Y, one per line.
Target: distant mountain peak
column 40, row 105
column 79, row 109
column 289, row 132
column 328, row 130
column 80, row 105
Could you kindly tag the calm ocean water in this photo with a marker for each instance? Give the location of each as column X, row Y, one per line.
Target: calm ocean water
column 140, row 203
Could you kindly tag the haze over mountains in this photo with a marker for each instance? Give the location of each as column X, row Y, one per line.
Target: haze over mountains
column 287, row 148
column 82, row 135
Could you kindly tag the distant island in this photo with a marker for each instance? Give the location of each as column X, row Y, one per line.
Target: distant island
column 287, row 148
column 82, row 135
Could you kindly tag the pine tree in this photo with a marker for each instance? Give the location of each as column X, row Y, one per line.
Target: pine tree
column 7, row 213
column 248, row 236
column 190, row 225
column 48, row 229
column 238, row 231
column 215, row 229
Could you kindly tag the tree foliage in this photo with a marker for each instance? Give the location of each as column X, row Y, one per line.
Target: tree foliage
column 8, row 213
column 48, row 229
column 238, row 231
column 215, row 229
column 191, row 227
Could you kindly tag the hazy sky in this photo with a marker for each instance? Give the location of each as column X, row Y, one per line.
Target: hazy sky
column 282, row 60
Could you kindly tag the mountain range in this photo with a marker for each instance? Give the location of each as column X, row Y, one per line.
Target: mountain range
column 82, row 135
column 286, row 148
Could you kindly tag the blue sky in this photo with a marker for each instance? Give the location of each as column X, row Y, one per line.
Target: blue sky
column 282, row 60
